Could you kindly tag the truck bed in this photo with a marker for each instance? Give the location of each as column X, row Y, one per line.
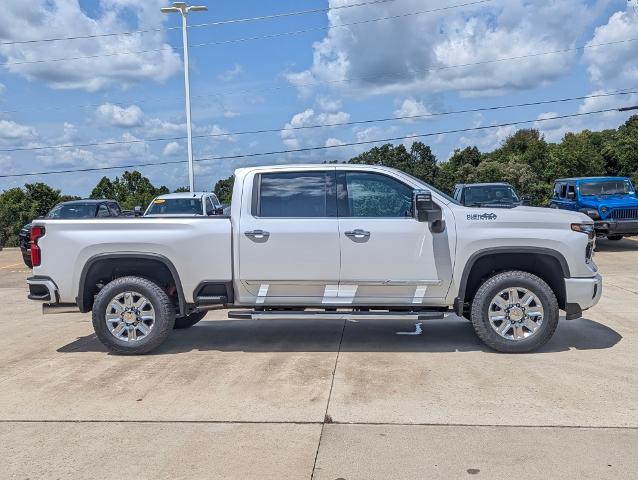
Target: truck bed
column 198, row 248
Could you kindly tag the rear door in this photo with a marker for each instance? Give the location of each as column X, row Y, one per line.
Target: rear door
column 289, row 239
column 387, row 256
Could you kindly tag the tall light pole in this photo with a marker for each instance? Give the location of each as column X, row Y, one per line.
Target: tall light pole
column 181, row 7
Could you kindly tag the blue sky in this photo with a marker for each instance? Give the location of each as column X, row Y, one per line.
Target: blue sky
column 333, row 73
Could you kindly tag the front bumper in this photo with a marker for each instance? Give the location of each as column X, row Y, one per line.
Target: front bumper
column 581, row 294
column 616, row 227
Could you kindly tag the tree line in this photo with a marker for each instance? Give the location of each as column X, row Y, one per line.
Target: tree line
column 524, row 159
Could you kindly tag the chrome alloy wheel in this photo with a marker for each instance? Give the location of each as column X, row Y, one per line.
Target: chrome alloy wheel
column 130, row 316
column 516, row 313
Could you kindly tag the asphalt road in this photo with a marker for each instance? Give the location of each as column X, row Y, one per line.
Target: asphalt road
column 321, row 399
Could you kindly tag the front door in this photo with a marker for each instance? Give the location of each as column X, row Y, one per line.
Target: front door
column 289, row 239
column 387, row 256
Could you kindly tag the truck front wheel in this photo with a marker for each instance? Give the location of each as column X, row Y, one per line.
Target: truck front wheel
column 132, row 315
column 515, row 312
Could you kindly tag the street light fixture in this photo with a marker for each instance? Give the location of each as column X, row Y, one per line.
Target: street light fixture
column 184, row 10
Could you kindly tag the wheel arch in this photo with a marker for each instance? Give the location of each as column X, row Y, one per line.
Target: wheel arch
column 549, row 265
column 152, row 266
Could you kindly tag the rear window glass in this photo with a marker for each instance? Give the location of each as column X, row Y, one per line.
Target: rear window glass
column 296, row 194
column 175, row 206
column 81, row 210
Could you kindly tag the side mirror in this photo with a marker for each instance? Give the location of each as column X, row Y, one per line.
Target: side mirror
column 425, row 210
column 571, row 195
column 137, row 211
column 525, row 200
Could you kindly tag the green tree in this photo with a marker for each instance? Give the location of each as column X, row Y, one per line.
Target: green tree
column 103, row 190
column 130, row 190
column 224, row 189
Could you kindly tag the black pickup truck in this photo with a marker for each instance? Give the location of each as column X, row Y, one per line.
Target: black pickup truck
column 71, row 210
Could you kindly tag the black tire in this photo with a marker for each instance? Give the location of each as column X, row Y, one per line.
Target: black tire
column 164, row 315
column 514, row 278
column 614, row 237
column 26, row 258
column 189, row 320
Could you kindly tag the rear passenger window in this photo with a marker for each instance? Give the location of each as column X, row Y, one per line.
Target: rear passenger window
column 297, row 195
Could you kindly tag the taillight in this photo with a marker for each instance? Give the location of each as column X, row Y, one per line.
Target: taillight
column 36, row 254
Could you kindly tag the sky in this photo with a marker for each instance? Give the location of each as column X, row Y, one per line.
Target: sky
column 341, row 61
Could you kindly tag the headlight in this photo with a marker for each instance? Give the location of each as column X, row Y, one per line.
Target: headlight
column 604, row 209
column 591, row 213
column 586, row 228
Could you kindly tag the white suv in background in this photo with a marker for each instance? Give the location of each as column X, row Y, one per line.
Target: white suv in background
column 185, row 204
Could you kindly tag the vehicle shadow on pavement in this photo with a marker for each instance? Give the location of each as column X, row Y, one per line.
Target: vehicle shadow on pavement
column 449, row 335
column 624, row 245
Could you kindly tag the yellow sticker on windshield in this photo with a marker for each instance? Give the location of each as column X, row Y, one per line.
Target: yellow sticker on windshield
column 159, row 200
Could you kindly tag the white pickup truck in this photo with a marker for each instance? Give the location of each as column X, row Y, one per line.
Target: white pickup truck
column 322, row 241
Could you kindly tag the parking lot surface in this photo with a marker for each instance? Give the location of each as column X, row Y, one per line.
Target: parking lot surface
column 321, row 399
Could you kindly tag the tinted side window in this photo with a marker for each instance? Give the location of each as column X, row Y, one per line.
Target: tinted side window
column 297, row 194
column 115, row 209
column 103, row 211
column 210, row 209
column 571, row 189
column 376, row 195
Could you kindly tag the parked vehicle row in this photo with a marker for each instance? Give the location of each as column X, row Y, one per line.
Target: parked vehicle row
column 322, row 241
column 611, row 202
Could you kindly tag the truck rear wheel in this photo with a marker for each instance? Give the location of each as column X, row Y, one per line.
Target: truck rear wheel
column 515, row 312
column 614, row 237
column 188, row 321
column 132, row 315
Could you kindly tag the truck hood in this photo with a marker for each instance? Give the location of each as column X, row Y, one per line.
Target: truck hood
column 618, row 201
column 524, row 214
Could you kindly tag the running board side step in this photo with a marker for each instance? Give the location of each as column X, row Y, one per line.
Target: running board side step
column 336, row 315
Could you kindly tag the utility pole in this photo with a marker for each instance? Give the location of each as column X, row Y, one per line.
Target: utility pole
column 181, row 7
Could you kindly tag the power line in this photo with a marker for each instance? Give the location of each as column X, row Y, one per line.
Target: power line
column 245, row 39
column 324, row 125
column 208, row 24
column 324, row 147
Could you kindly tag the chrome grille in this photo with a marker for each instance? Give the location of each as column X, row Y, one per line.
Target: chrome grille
column 624, row 214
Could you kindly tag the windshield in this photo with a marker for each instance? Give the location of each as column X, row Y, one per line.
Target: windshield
column 175, row 206
column 430, row 187
column 606, row 187
column 73, row 210
column 489, row 194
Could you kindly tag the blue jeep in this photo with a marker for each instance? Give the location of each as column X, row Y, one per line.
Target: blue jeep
column 610, row 201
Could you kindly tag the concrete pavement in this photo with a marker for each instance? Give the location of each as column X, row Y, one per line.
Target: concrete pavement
column 248, row 399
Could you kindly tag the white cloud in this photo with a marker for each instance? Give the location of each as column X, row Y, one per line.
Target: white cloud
column 487, row 139
column 333, row 142
column 231, row 73
column 172, row 149
column 411, row 107
column 10, row 130
column 329, row 104
column 422, row 52
column 59, row 18
column 117, row 116
column 615, row 65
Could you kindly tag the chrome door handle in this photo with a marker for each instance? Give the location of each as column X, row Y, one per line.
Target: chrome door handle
column 257, row 234
column 358, row 233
